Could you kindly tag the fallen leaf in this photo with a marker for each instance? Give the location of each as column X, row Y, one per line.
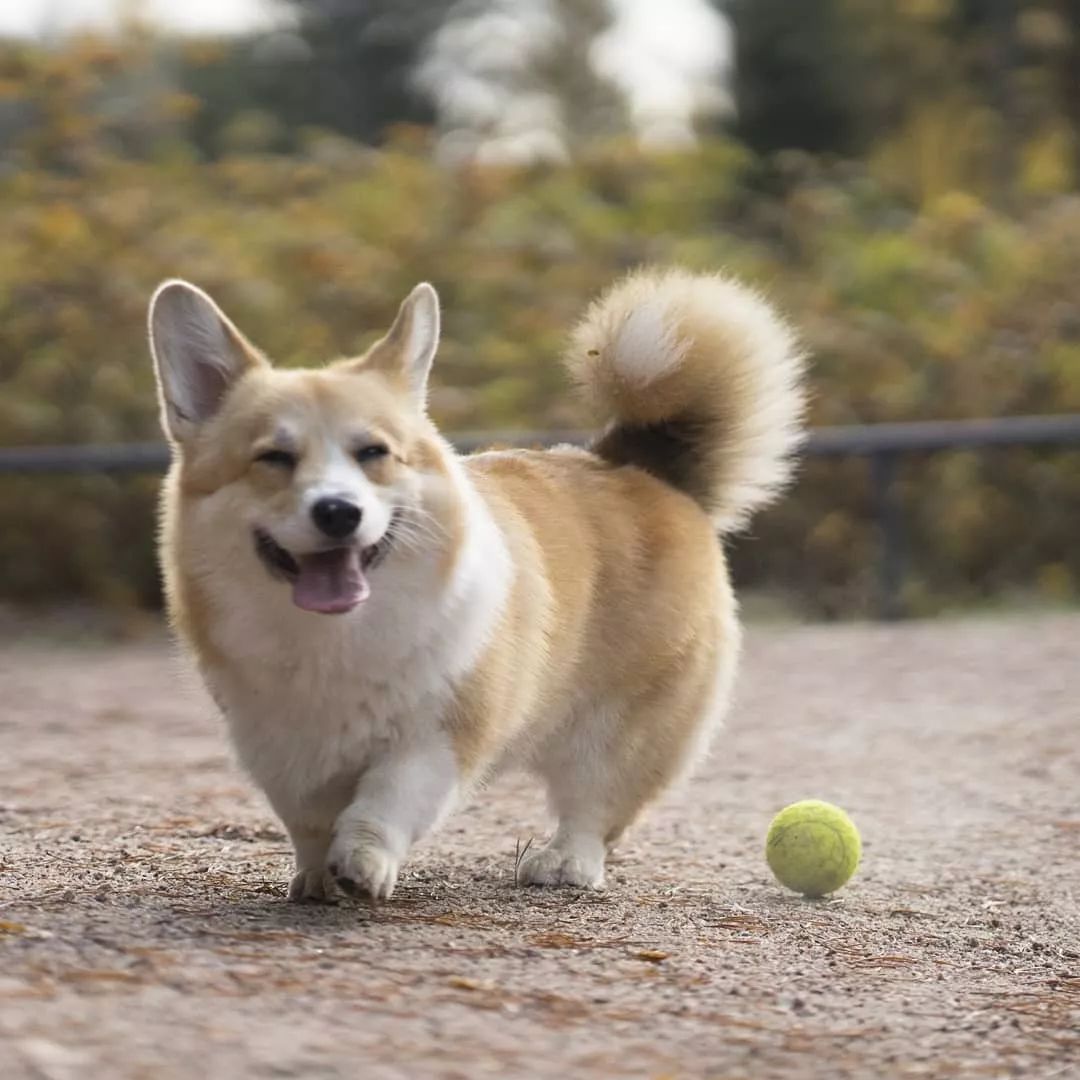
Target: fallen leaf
column 555, row 940
column 654, row 956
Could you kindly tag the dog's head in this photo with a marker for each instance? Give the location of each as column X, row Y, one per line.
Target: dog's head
column 320, row 475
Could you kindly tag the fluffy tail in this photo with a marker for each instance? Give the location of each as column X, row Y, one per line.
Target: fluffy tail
column 700, row 383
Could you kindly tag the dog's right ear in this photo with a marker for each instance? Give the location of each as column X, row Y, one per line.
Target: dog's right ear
column 198, row 355
column 408, row 349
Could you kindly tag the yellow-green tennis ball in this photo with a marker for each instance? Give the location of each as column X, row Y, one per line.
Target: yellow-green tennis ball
column 813, row 847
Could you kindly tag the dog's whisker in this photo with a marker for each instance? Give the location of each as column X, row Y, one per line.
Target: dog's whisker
column 407, row 540
column 414, row 532
column 418, row 516
column 421, row 534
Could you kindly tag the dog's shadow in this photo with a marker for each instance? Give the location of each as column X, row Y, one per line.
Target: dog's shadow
column 480, row 899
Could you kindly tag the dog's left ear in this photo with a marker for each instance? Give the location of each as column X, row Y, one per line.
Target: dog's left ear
column 198, row 356
column 407, row 351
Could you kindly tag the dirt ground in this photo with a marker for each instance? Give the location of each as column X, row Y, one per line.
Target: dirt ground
column 144, row 930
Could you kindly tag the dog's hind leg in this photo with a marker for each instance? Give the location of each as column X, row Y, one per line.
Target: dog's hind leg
column 605, row 766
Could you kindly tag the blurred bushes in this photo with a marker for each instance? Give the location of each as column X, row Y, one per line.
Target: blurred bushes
column 944, row 307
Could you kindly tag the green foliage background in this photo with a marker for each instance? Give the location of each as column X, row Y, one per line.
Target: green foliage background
column 921, row 290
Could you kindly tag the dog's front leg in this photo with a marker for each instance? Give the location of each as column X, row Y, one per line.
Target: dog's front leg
column 310, row 843
column 400, row 797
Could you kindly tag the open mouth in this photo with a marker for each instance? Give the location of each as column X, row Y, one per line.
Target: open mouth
column 328, row 582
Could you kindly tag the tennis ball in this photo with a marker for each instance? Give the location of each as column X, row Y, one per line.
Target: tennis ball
column 813, row 847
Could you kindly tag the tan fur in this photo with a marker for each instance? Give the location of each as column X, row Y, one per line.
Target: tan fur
column 623, row 600
column 734, row 399
column 574, row 616
column 223, row 451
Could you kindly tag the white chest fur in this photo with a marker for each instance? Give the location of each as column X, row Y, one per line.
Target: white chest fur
column 311, row 699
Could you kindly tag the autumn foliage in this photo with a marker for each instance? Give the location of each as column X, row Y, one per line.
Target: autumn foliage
column 934, row 305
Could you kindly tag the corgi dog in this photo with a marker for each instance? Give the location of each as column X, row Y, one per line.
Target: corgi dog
column 385, row 624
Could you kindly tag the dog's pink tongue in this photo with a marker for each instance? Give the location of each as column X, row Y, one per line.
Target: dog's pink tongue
column 331, row 582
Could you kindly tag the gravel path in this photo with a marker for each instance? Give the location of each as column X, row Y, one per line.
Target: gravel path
column 143, row 930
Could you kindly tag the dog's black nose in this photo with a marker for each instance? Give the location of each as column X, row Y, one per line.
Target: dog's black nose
column 337, row 518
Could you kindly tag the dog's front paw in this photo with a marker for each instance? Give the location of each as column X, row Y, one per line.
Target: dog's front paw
column 313, row 885
column 361, row 864
column 554, row 866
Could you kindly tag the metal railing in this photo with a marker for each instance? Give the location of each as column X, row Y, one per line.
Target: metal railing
column 881, row 444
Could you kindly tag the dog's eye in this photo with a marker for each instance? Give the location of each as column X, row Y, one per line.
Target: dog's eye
column 282, row 459
column 370, row 453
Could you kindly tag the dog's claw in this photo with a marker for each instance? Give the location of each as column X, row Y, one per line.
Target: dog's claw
column 347, row 885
